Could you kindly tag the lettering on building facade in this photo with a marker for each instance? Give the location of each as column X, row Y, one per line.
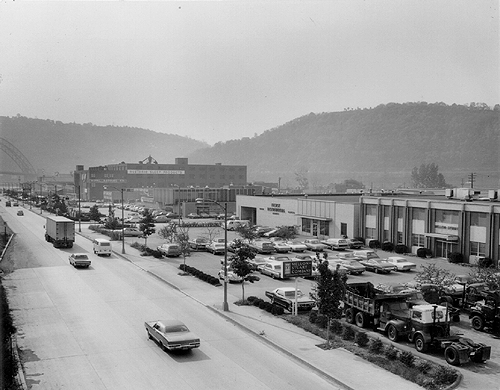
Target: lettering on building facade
column 155, row 172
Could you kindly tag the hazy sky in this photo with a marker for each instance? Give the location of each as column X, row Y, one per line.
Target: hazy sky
column 218, row 70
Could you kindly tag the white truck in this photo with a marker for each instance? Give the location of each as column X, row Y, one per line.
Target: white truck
column 60, row 231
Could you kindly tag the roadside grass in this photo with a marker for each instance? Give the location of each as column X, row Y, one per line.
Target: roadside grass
column 405, row 364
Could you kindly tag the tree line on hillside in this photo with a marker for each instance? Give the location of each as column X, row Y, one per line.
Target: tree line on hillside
column 370, row 143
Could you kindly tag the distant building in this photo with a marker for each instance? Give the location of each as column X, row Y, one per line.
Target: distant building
column 145, row 176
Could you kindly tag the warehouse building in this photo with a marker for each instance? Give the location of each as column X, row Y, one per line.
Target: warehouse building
column 436, row 220
column 143, row 177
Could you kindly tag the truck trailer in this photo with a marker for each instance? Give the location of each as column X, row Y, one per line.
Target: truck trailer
column 60, row 231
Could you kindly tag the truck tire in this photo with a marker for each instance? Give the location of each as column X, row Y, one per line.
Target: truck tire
column 349, row 315
column 477, row 323
column 392, row 333
column 451, row 355
column 360, row 319
column 420, row 344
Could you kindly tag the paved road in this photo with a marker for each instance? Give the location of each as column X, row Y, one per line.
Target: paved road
column 475, row 377
column 83, row 329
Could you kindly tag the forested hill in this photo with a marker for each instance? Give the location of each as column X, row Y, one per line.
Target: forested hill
column 58, row 147
column 381, row 144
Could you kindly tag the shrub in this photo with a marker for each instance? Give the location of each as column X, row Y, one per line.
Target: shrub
column 347, row 332
column 336, row 326
column 407, row 358
column 485, row 263
column 424, row 366
column 268, row 306
column 361, row 338
column 262, row 305
column 313, row 316
column 277, row 310
column 321, row 321
column 374, row 244
column 252, row 298
column 422, row 253
column 401, row 249
column 375, row 346
column 391, row 353
column 456, row 257
column 388, row 246
column 444, row 375
column 257, row 302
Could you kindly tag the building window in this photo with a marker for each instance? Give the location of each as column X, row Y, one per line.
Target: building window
column 343, row 229
column 371, row 209
column 370, row 233
column 400, row 237
column 418, row 240
column 419, row 214
column 386, row 235
column 479, row 219
column 324, row 228
column 306, row 225
column 447, row 216
column 477, row 248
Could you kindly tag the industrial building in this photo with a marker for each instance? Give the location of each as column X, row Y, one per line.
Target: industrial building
column 442, row 221
column 143, row 177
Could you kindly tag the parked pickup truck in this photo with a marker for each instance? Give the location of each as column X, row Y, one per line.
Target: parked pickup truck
column 172, row 335
column 287, row 296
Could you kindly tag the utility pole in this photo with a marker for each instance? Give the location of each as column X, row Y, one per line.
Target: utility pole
column 472, row 175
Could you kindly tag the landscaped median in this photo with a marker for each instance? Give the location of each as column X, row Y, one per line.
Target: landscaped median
column 405, row 364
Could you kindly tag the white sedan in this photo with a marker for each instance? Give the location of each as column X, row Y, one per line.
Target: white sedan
column 281, row 246
column 296, row 246
column 401, row 263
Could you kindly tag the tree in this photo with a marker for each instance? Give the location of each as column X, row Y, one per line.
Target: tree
column 168, row 232
column 111, row 222
column 329, row 292
column 182, row 239
column 247, row 232
column 286, row 232
column 427, row 176
column 301, row 178
column 147, row 225
column 433, row 275
column 241, row 266
column 94, row 213
column 212, row 232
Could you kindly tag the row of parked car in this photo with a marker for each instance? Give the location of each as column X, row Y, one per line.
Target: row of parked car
column 351, row 263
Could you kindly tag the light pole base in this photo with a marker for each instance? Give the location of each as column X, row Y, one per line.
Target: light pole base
column 225, row 306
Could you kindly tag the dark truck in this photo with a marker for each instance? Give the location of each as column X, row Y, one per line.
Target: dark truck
column 427, row 326
column 486, row 314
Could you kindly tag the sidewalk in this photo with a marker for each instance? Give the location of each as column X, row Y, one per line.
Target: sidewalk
column 342, row 368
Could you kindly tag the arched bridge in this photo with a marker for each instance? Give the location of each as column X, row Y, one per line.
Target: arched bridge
column 18, row 157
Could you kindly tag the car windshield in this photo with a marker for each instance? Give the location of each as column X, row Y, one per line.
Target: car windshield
column 81, row 257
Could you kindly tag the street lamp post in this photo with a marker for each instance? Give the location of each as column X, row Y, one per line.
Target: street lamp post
column 79, row 212
column 225, row 306
column 123, row 220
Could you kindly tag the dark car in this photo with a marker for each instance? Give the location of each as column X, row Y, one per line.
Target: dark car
column 378, row 266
